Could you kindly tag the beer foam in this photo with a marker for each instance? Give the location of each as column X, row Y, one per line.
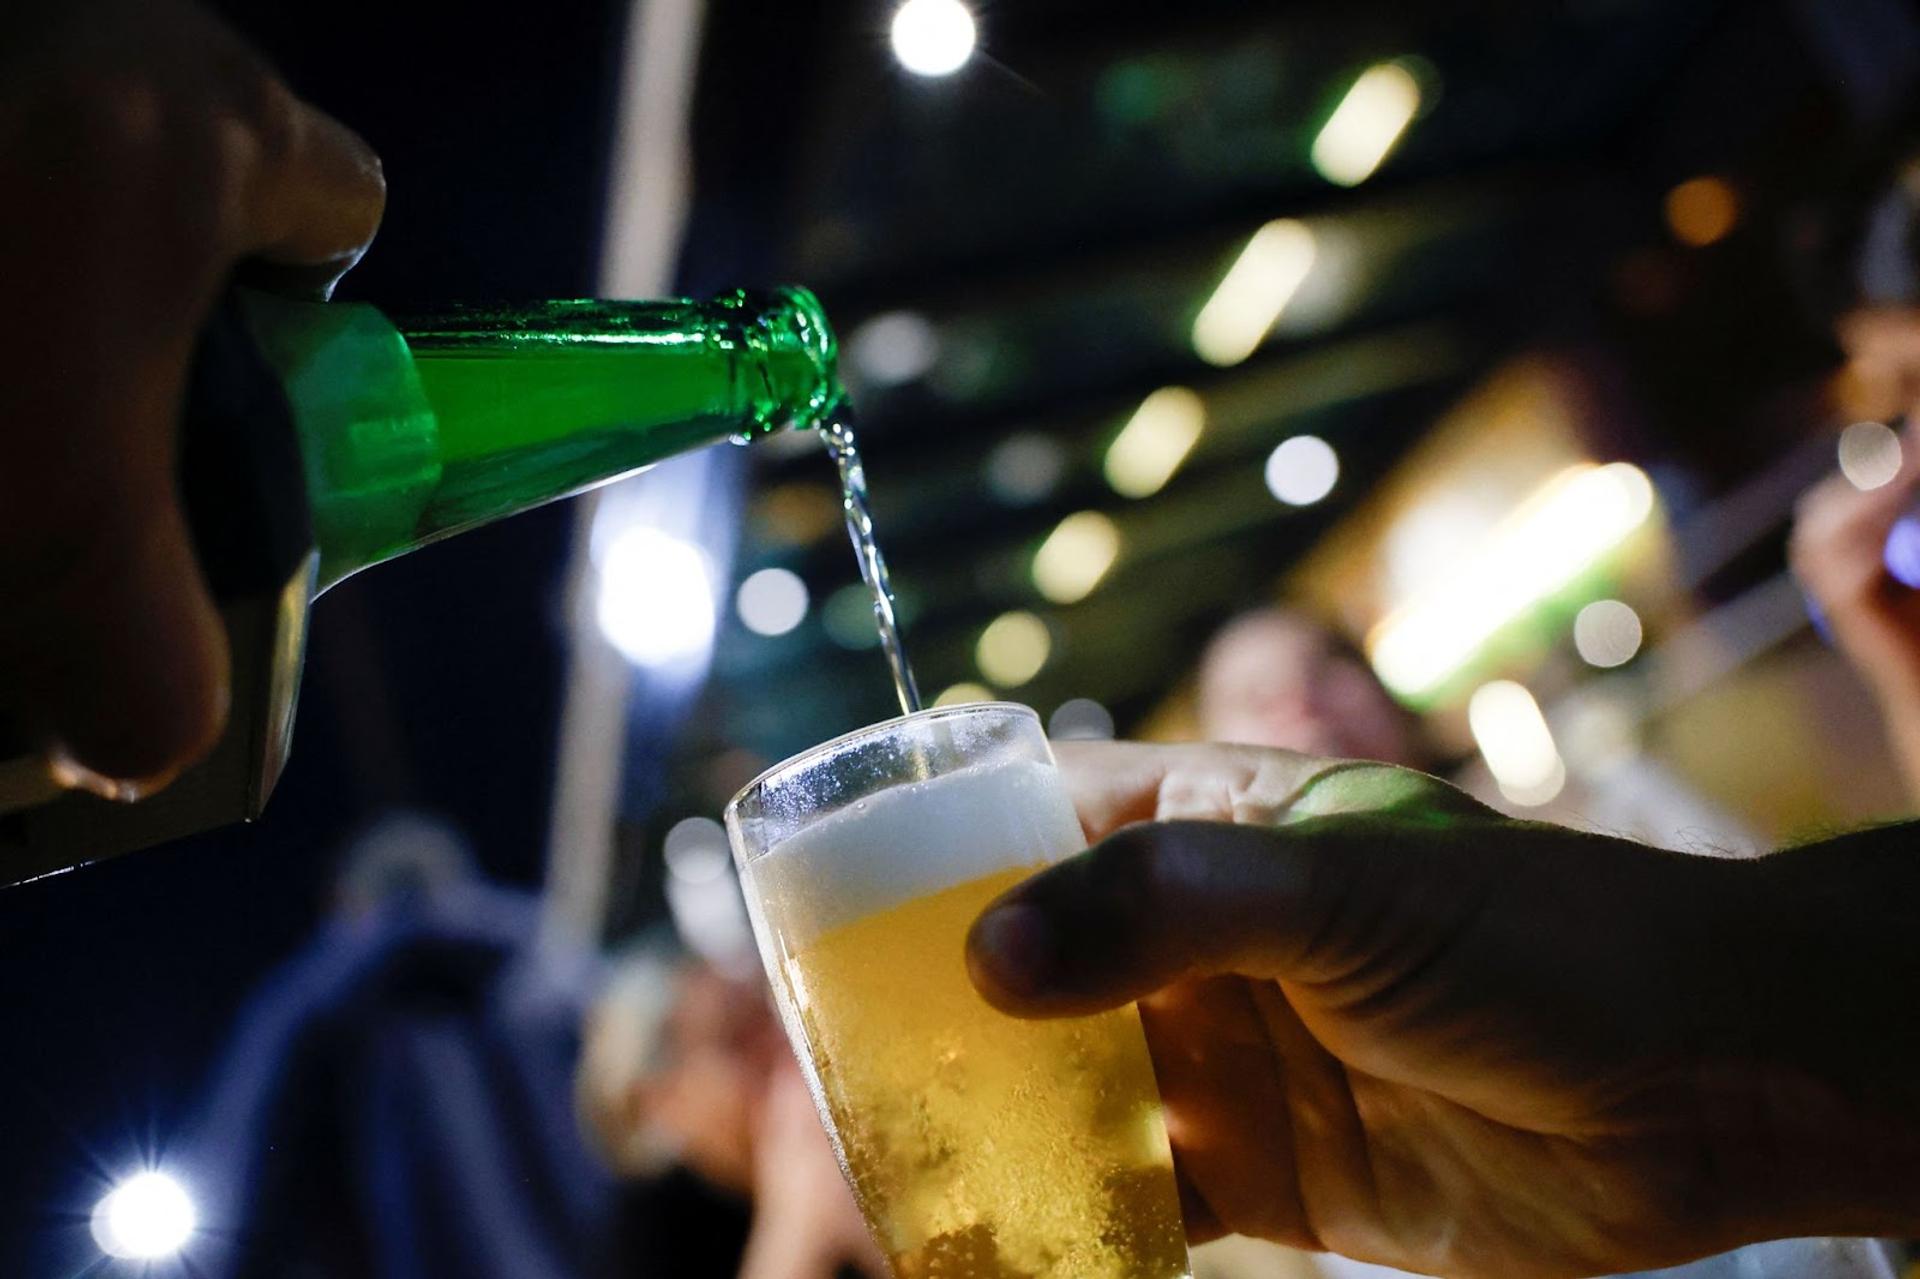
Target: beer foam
column 910, row 841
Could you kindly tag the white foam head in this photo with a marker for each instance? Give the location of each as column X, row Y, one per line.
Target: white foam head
column 913, row 840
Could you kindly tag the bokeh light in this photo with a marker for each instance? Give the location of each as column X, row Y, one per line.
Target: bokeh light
column 1155, row 441
column 655, row 600
column 1025, row 468
column 848, row 617
column 894, row 348
column 933, row 37
column 963, row 693
column 1567, row 526
column 1013, row 649
column 772, row 601
column 1075, row 556
column 1870, row 455
column 1702, row 211
column 1367, row 124
column 146, row 1217
column 1514, row 739
column 1080, row 719
column 1254, row 292
column 1607, row 633
column 1302, row 470
column 695, row 850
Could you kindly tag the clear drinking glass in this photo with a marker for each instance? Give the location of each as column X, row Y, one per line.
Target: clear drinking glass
column 978, row 1145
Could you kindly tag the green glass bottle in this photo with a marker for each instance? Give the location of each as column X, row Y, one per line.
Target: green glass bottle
column 414, row 429
column 407, row 431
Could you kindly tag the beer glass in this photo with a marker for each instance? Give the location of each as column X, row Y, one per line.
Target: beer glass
column 978, row 1145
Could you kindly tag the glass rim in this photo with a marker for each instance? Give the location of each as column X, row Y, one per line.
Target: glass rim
column 880, row 729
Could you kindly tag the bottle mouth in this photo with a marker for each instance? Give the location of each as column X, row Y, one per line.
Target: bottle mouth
column 789, row 323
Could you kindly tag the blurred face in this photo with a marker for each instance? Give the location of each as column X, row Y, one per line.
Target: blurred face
column 1882, row 375
column 1273, row 680
column 721, row 1041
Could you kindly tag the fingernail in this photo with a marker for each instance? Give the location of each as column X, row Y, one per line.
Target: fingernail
column 1017, row 947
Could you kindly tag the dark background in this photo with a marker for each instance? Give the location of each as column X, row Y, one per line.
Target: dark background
column 1060, row 209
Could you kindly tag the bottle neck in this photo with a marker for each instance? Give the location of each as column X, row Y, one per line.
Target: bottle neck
column 418, row 430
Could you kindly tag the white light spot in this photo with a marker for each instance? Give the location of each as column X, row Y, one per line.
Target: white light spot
column 1080, row 719
column 1514, row 739
column 1155, row 441
column 1075, row 556
column 1869, row 455
column 656, row 597
column 147, row 1216
column 933, row 37
column 1024, row 469
column 1013, row 648
column 696, row 850
column 1569, row 524
column 1363, row 129
column 772, row 601
column 894, row 348
column 1254, row 292
column 1302, row 470
column 1607, row 633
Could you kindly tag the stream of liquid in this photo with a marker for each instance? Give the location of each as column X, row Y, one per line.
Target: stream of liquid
column 838, row 433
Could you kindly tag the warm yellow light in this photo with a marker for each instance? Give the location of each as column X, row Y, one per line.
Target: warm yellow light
column 1702, row 211
column 1155, row 440
column 1364, row 127
column 1075, row 556
column 1013, row 648
column 1555, row 535
column 1255, row 290
column 1514, row 739
column 961, row 694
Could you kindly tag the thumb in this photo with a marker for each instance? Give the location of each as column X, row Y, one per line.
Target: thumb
column 1157, row 902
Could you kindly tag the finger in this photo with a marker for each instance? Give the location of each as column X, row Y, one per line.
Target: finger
column 1149, row 906
column 111, row 655
column 1227, row 1110
column 1115, row 783
column 319, row 193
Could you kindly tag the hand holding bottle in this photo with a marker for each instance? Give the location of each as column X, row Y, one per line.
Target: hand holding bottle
column 1393, row 1023
column 147, row 152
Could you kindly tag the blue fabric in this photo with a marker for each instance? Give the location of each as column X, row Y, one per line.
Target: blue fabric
column 397, row 1104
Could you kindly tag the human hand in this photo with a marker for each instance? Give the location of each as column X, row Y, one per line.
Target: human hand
column 146, row 151
column 1839, row 554
column 806, row 1224
column 1392, row 1023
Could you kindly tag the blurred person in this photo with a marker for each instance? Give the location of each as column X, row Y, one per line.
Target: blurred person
column 1393, row 1023
column 1279, row 676
column 149, row 153
column 687, row 1065
column 395, row 1100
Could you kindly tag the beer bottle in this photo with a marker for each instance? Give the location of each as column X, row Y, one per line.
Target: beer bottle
column 321, row 438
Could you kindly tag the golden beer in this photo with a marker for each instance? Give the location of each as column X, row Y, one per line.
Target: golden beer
column 980, row 1146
